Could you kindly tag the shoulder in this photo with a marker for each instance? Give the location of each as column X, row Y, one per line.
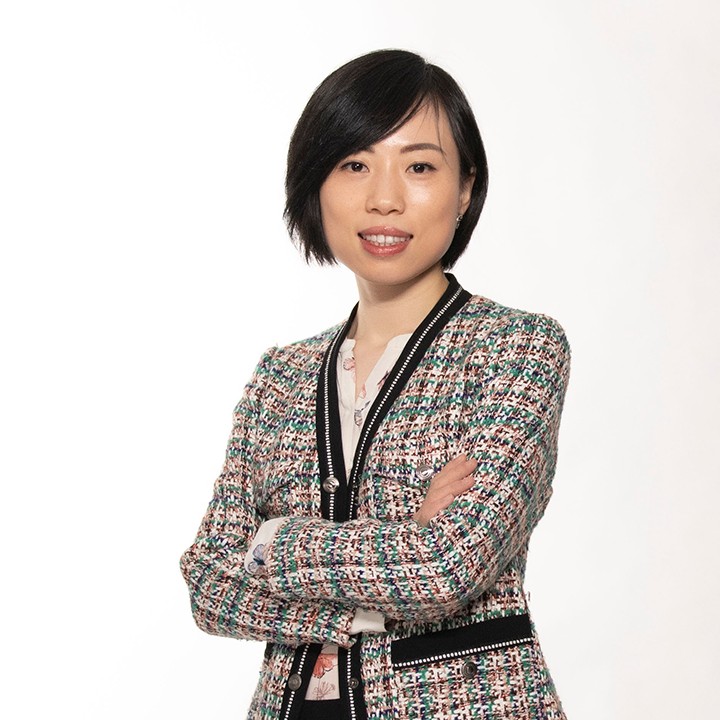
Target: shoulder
column 306, row 354
column 497, row 335
column 287, row 365
column 490, row 321
column 285, row 374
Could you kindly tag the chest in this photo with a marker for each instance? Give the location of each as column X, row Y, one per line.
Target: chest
column 420, row 432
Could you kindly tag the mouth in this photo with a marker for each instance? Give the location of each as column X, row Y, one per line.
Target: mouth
column 384, row 237
column 384, row 240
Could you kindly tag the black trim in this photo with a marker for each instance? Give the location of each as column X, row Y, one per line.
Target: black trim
column 328, row 433
column 353, row 697
column 290, row 696
column 322, row 710
column 456, row 642
column 359, row 691
column 340, row 505
column 451, row 301
column 343, row 505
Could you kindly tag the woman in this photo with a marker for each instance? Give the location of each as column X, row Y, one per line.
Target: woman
column 382, row 478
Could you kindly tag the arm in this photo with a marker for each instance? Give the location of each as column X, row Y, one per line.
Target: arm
column 225, row 599
column 425, row 573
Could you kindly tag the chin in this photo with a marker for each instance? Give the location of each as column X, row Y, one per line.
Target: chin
column 401, row 274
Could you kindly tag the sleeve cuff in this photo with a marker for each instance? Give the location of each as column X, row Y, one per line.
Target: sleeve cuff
column 255, row 556
column 367, row 621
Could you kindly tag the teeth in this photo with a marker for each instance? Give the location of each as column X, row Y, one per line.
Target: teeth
column 385, row 239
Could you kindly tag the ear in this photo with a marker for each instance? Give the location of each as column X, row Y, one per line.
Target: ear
column 466, row 186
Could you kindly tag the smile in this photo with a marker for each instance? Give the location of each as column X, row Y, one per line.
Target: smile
column 385, row 240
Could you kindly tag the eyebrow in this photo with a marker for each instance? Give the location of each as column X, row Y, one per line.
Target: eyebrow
column 412, row 148
column 422, row 146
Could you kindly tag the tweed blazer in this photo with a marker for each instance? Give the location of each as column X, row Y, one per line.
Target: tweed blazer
column 476, row 377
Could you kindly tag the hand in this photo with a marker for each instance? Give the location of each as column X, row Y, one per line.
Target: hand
column 453, row 480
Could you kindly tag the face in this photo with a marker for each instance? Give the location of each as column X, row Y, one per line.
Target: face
column 389, row 211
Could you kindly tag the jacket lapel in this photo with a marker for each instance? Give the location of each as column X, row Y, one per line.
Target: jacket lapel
column 339, row 493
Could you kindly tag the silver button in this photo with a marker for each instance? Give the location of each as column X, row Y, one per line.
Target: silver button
column 354, row 683
column 331, row 484
column 469, row 670
column 424, row 472
column 294, row 681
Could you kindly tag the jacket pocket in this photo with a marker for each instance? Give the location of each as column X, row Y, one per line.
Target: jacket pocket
column 286, row 474
column 461, row 641
column 488, row 669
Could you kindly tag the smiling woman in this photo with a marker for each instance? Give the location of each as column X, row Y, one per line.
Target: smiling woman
column 383, row 477
column 410, row 187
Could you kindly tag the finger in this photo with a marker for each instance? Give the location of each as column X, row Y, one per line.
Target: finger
column 452, row 490
column 444, row 502
column 451, row 473
column 456, row 461
column 431, row 509
column 462, row 485
column 457, row 469
column 452, row 464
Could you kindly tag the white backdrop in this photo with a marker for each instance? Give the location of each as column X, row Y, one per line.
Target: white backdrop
column 145, row 267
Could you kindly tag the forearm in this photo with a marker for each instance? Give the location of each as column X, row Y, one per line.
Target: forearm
column 410, row 572
column 227, row 601
column 385, row 566
column 399, row 568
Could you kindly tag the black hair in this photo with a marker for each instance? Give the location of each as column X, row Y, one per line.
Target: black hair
column 356, row 106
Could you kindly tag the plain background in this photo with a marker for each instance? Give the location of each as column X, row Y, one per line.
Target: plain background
column 145, row 267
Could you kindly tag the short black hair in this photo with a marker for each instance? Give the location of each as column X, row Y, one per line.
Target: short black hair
column 358, row 105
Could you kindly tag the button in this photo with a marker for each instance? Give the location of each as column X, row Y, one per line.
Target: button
column 294, row 681
column 331, row 484
column 354, row 683
column 469, row 670
column 424, row 472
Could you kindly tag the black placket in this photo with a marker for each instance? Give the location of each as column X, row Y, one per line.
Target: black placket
column 338, row 492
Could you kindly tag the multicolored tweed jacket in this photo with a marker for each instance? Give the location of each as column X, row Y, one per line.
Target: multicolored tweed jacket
column 476, row 377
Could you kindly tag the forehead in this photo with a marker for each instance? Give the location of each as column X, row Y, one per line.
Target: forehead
column 428, row 125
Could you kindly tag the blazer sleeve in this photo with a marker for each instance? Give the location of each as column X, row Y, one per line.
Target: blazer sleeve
column 225, row 599
column 426, row 573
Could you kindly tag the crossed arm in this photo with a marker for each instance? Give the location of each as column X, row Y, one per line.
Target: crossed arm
column 318, row 571
column 225, row 599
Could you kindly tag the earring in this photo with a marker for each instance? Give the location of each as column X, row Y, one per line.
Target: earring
column 458, row 221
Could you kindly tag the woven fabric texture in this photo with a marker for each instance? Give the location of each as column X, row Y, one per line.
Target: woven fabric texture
column 491, row 385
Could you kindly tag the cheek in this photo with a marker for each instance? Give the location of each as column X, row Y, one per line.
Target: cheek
column 334, row 205
column 334, row 215
column 442, row 209
column 439, row 204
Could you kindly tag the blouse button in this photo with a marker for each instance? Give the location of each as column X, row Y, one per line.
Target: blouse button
column 294, row 681
column 424, row 472
column 330, row 484
column 469, row 670
column 354, row 683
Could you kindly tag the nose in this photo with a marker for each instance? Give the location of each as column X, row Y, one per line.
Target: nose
column 385, row 193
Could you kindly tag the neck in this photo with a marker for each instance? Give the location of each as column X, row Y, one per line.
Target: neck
column 385, row 311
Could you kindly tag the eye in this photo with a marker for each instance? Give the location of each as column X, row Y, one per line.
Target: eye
column 420, row 168
column 354, row 166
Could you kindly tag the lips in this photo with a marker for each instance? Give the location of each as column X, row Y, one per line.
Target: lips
column 384, row 236
column 384, row 239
